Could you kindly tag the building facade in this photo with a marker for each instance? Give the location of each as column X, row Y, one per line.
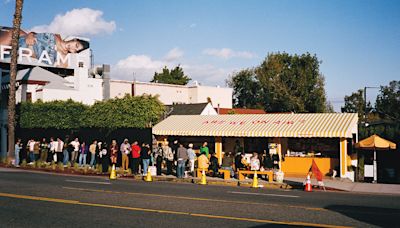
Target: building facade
column 174, row 94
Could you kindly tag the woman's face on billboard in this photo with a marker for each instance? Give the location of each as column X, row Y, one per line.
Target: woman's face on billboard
column 73, row 46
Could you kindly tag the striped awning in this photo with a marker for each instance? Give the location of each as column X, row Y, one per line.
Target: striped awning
column 330, row 125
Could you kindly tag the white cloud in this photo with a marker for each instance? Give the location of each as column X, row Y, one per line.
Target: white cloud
column 173, row 55
column 78, row 22
column 227, row 53
column 193, row 25
column 143, row 68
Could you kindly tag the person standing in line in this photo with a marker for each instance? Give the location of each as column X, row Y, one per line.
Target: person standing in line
column 99, row 147
column 192, row 157
column 214, row 164
column 36, row 150
column 228, row 163
column 182, row 158
column 113, row 152
column 75, row 151
column 145, row 155
column 104, row 157
column 65, row 150
column 83, row 153
column 92, row 150
column 158, row 156
column 31, row 145
column 169, row 157
column 18, row 147
column 53, row 146
column 125, row 149
column 174, row 148
column 135, row 157
column 204, row 148
column 44, row 150
column 59, row 150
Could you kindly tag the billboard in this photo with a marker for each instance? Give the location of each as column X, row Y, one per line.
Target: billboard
column 49, row 49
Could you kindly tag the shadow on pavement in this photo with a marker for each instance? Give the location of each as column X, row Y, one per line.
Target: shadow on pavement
column 383, row 217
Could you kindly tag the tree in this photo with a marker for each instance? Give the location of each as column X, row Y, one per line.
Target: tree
column 128, row 112
column 175, row 76
column 13, row 76
column 388, row 101
column 285, row 83
column 355, row 103
column 246, row 89
column 54, row 114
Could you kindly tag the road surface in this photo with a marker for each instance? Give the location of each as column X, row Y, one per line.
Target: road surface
column 33, row 199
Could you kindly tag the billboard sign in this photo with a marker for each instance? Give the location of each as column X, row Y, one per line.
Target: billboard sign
column 48, row 49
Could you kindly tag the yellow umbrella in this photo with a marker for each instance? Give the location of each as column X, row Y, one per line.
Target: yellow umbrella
column 375, row 142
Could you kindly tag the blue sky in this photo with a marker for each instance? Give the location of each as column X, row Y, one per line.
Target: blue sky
column 358, row 42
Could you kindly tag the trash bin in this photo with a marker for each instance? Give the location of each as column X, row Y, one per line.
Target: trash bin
column 279, row 176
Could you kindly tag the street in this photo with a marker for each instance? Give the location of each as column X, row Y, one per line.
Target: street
column 32, row 199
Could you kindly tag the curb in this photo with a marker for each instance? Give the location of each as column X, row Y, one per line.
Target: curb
column 193, row 180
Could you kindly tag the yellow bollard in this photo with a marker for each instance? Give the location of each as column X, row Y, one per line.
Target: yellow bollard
column 113, row 174
column 148, row 177
column 203, row 178
column 255, row 180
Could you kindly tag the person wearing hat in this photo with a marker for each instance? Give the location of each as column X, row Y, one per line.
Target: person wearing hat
column 192, row 157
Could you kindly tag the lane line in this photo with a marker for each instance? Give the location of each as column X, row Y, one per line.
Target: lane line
column 264, row 194
column 196, row 199
column 88, row 182
column 74, row 202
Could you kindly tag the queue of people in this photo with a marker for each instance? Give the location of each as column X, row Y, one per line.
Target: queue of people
column 175, row 157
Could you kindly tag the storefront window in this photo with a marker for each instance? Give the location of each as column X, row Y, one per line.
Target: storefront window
column 313, row 147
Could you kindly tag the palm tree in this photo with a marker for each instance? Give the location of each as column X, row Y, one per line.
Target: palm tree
column 13, row 76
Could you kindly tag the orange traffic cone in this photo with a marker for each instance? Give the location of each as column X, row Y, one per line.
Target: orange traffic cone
column 308, row 187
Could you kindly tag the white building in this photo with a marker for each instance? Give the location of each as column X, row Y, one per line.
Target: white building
column 174, row 94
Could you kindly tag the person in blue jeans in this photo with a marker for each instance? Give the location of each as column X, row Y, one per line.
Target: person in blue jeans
column 182, row 158
column 145, row 155
column 18, row 147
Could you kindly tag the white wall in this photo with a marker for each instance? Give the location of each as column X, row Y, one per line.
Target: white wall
column 120, row 88
column 221, row 96
column 169, row 94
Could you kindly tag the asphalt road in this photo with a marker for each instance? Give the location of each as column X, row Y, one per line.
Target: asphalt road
column 50, row 200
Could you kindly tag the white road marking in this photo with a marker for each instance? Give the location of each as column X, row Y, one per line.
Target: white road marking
column 264, row 194
column 87, row 182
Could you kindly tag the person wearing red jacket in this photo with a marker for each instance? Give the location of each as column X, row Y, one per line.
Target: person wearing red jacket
column 135, row 159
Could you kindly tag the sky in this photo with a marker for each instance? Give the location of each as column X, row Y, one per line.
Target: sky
column 357, row 41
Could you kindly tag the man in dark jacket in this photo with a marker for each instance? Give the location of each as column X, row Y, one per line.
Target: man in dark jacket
column 213, row 164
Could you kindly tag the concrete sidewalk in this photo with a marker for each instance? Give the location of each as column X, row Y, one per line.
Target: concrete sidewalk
column 347, row 185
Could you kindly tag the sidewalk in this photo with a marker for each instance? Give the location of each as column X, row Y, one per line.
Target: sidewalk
column 347, row 185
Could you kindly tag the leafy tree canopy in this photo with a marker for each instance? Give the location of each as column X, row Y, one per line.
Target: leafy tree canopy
column 175, row 76
column 127, row 112
column 54, row 114
column 282, row 83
